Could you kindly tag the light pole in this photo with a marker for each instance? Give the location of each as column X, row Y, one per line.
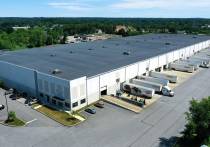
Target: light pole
column 10, row 91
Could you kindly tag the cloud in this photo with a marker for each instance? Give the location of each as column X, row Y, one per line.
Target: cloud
column 75, row 6
column 161, row 4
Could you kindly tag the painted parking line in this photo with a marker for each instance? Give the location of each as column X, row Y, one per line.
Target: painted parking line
column 31, row 121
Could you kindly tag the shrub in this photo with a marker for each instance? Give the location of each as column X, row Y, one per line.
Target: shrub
column 11, row 116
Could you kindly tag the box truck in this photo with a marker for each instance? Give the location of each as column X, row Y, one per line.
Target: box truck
column 182, row 67
column 161, row 81
column 164, row 90
column 171, row 78
column 138, row 90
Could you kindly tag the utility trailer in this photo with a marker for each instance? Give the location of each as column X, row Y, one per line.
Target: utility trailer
column 165, row 90
column 171, row 78
column 138, row 90
column 182, row 67
column 161, row 81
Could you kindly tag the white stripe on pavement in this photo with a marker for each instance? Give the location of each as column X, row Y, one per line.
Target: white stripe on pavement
column 31, row 121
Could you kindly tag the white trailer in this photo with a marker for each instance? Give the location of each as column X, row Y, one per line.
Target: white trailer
column 157, row 87
column 161, row 81
column 206, row 60
column 190, row 63
column 165, row 90
column 171, row 78
column 138, row 90
column 204, row 54
column 201, row 62
column 182, row 67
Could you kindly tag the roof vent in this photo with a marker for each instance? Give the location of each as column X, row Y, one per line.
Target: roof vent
column 126, row 53
column 103, row 46
column 56, row 71
column 90, row 49
column 167, row 43
column 71, row 52
column 117, row 44
column 52, row 55
column 194, row 37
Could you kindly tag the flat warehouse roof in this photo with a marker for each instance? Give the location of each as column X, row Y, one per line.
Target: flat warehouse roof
column 92, row 58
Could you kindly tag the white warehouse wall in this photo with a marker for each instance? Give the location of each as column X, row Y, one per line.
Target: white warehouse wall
column 18, row 77
column 78, row 92
column 143, row 66
column 131, row 71
column 153, row 63
column 162, row 60
column 53, row 86
column 110, row 80
column 93, row 90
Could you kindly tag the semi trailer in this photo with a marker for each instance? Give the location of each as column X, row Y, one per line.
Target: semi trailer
column 138, row 90
column 171, row 78
column 164, row 90
column 161, row 81
column 182, row 67
column 205, row 60
column 190, row 63
column 200, row 61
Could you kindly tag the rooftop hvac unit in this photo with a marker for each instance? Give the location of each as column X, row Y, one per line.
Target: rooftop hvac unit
column 126, row 53
column 56, row 71
column 52, row 55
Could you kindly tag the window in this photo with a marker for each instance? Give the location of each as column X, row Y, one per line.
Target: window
column 82, row 101
column 41, row 95
column 48, row 98
column 67, row 105
column 54, row 101
column 60, row 104
column 75, row 104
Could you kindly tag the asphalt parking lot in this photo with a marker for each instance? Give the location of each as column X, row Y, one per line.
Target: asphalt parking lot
column 30, row 116
column 113, row 126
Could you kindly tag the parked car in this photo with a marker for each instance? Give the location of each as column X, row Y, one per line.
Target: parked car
column 2, row 107
column 99, row 104
column 90, row 110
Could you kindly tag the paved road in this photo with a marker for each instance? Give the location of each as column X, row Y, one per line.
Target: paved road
column 114, row 127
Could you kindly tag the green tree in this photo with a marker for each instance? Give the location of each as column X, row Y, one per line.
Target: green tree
column 197, row 128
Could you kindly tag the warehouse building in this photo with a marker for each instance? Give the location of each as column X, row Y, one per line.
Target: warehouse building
column 72, row 76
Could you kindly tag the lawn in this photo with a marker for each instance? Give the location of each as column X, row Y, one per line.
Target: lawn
column 61, row 117
column 16, row 122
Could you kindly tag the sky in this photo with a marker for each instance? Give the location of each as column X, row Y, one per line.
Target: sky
column 106, row 8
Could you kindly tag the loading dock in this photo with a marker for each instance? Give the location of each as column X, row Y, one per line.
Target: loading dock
column 121, row 103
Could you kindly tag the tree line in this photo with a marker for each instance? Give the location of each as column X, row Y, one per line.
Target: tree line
column 47, row 31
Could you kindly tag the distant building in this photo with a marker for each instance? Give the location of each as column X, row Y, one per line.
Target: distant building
column 71, row 39
column 24, row 28
column 181, row 32
column 121, row 27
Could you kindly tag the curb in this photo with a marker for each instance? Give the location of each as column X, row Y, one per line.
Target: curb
column 58, row 121
column 12, row 126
